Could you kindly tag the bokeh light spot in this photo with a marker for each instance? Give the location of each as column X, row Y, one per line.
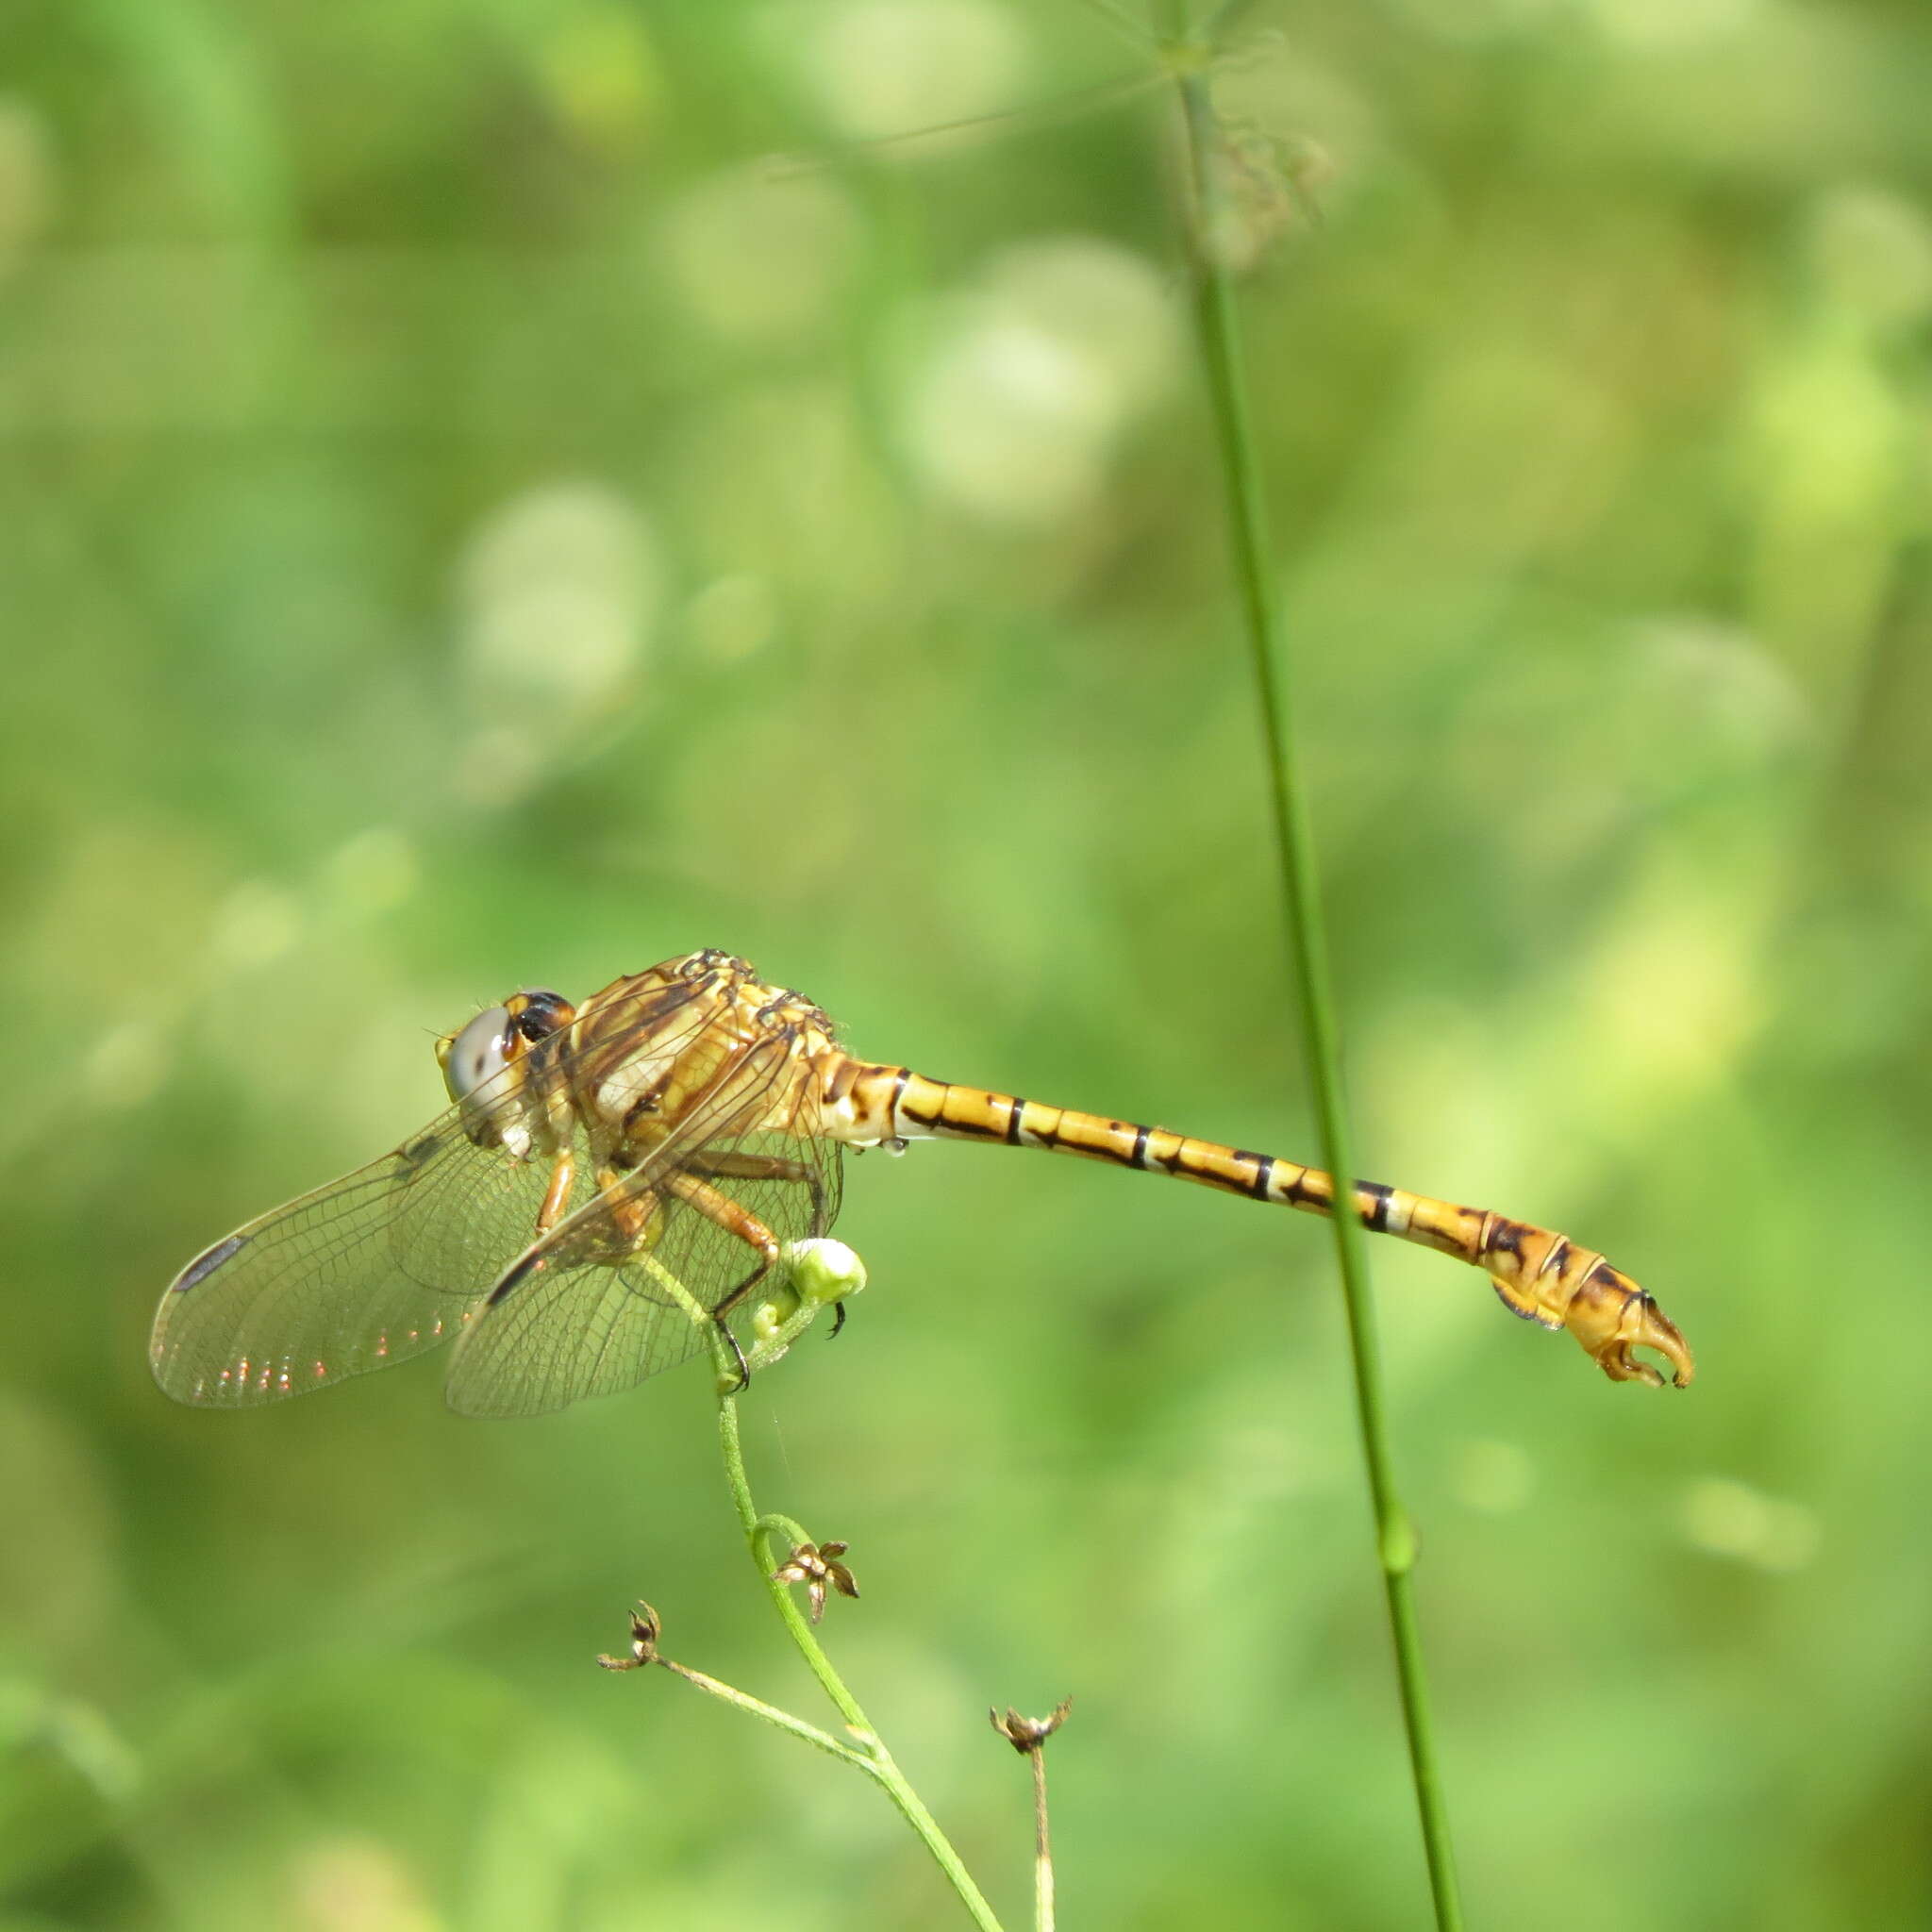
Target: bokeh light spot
column 884, row 67
column 560, row 589
column 27, row 179
column 761, row 257
column 1732, row 1519
column 1028, row 379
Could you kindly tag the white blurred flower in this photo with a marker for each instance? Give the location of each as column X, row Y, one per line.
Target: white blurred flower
column 1027, row 380
column 757, row 256
column 1731, row 1519
column 1666, row 25
column 560, row 589
column 884, row 67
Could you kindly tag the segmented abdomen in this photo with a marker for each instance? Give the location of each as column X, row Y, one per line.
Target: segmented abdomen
column 1540, row 1276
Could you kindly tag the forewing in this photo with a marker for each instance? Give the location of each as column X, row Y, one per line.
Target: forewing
column 568, row 1320
column 371, row 1270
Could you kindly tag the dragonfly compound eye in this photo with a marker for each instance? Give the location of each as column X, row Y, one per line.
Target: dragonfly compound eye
column 477, row 1054
column 539, row 1013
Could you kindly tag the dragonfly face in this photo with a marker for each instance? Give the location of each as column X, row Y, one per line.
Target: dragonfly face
column 484, row 1066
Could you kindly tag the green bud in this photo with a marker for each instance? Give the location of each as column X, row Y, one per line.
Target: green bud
column 771, row 1315
column 823, row 1271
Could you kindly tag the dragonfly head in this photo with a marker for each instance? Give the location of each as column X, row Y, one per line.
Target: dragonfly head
column 483, row 1065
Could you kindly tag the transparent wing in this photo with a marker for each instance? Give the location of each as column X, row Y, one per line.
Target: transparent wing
column 579, row 1313
column 371, row 1270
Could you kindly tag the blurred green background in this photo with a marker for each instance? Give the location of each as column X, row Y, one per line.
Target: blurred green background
column 469, row 520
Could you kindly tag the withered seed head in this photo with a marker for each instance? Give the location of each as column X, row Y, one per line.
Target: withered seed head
column 815, row 1565
column 644, row 1629
column 1027, row 1734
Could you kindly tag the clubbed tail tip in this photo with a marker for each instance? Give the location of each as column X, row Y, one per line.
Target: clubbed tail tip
column 1613, row 1319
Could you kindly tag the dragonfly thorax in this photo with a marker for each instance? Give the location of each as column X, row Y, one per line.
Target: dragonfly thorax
column 646, row 1047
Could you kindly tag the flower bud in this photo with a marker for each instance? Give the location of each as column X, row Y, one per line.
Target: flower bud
column 823, row 1271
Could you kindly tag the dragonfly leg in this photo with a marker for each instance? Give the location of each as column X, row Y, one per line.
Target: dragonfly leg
column 632, row 1213
column 718, row 1207
column 743, row 1166
column 732, row 1342
column 764, row 1167
column 561, row 1176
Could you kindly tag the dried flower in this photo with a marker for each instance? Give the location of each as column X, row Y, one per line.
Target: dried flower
column 815, row 1565
column 1027, row 1734
column 644, row 1629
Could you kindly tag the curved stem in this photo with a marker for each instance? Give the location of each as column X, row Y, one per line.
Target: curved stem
column 1218, row 329
column 877, row 1759
column 771, row 1523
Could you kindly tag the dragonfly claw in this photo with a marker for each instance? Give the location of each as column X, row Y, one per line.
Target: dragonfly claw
column 1614, row 1320
column 1609, row 1314
column 1612, row 1334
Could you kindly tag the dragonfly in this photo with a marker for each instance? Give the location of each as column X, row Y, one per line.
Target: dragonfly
column 613, row 1182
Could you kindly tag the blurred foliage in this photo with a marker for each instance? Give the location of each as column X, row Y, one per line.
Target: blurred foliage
column 468, row 519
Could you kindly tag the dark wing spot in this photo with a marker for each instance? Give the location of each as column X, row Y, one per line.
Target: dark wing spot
column 199, row 1269
column 517, row 1273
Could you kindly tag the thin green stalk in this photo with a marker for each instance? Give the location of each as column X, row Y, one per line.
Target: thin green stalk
column 1042, row 1848
column 1080, row 104
column 877, row 1759
column 1219, row 333
column 769, row 1713
column 1121, row 21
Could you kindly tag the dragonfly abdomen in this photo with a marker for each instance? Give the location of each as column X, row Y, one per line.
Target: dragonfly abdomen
column 1538, row 1275
column 920, row 1109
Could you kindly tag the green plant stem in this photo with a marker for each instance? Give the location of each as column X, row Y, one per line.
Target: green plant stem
column 768, row 1713
column 876, row 1759
column 1042, row 1846
column 1218, row 327
column 771, row 1523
